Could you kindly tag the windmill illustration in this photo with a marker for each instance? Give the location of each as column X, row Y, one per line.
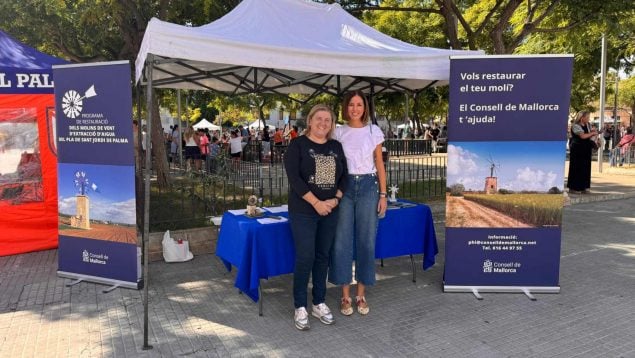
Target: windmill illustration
column 82, row 217
column 491, row 182
column 73, row 101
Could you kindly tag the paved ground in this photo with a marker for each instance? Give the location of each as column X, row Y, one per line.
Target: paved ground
column 195, row 311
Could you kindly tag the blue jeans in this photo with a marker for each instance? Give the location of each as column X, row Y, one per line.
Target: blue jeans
column 313, row 237
column 356, row 232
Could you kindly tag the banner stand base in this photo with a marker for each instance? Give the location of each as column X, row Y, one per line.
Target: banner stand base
column 104, row 281
column 477, row 290
column 110, row 289
column 73, row 283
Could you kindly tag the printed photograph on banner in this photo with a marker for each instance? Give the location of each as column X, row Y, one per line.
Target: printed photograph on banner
column 97, row 202
column 505, row 184
column 20, row 164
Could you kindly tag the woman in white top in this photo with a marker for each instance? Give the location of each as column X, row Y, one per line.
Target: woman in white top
column 192, row 150
column 235, row 147
column 363, row 202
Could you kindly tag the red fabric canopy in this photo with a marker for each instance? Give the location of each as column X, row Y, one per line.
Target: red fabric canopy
column 28, row 165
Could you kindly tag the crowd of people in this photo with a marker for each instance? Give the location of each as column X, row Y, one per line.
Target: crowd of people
column 201, row 146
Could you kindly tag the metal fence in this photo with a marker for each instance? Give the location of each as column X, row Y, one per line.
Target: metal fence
column 196, row 196
column 257, row 151
column 617, row 158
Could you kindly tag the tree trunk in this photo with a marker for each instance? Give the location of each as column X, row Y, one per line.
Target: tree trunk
column 416, row 123
column 450, row 23
column 160, row 158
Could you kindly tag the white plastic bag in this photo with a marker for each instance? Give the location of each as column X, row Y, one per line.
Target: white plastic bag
column 174, row 251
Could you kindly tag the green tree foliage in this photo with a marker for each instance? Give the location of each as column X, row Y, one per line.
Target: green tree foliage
column 102, row 30
column 457, row 189
column 626, row 95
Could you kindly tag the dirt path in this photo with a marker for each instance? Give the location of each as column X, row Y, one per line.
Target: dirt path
column 126, row 234
column 466, row 213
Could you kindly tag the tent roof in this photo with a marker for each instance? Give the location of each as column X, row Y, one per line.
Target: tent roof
column 258, row 124
column 288, row 46
column 204, row 123
column 14, row 54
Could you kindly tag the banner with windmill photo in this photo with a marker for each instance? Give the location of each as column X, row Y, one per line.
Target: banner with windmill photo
column 507, row 131
column 96, row 182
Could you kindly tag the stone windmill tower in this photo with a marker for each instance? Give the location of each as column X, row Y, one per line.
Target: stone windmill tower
column 491, row 182
column 82, row 218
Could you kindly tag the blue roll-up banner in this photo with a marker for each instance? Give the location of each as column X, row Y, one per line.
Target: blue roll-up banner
column 96, row 182
column 507, row 131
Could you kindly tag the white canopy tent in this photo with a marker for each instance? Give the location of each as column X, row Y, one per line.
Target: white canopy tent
column 288, row 46
column 204, row 123
column 257, row 124
column 280, row 46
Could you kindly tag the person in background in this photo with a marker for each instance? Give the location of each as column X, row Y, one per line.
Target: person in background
column 363, row 203
column 580, row 151
column 625, row 143
column 316, row 169
column 293, row 134
column 235, row 147
column 434, row 132
column 278, row 137
column 607, row 134
column 266, row 143
column 192, row 149
column 203, row 144
column 175, row 142
column 278, row 142
column 214, row 152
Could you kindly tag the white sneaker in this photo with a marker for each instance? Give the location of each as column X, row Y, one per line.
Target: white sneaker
column 301, row 319
column 323, row 313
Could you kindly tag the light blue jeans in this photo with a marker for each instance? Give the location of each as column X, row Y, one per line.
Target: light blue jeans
column 356, row 232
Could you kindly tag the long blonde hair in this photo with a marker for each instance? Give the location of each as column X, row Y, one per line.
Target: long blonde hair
column 312, row 112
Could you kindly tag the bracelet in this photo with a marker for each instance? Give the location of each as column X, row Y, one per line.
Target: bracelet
column 383, row 195
column 337, row 199
column 315, row 202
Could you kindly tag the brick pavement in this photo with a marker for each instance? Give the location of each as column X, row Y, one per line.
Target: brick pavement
column 196, row 312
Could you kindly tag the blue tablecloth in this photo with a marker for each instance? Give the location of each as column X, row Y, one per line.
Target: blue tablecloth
column 263, row 251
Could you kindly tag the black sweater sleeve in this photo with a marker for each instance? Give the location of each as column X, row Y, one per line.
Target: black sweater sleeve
column 292, row 166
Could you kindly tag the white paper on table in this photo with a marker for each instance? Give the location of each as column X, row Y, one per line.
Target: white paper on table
column 242, row 211
column 237, row 211
column 271, row 220
column 277, row 209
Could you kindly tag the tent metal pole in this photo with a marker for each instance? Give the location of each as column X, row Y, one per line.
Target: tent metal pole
column 178, row 110
column 139, row 149
column 373, row 116
column 602, row 99
column 184, row 124
column 146, row 201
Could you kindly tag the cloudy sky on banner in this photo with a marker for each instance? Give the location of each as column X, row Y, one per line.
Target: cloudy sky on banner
column 114, row 199
column 533, row 166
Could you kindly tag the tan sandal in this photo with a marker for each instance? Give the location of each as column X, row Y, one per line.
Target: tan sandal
column 362, row 305
column 346, row 306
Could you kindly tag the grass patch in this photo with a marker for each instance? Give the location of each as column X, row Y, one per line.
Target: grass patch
column 533, row 209
column 422, row 190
